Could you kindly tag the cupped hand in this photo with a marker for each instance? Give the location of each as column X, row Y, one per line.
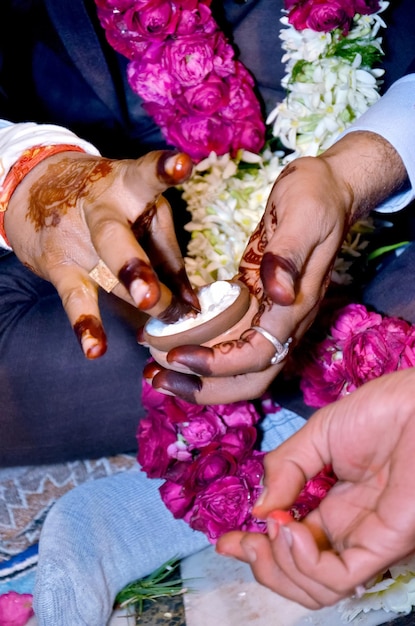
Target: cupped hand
column 287, row 266
column 366, row 522
column 73, row 210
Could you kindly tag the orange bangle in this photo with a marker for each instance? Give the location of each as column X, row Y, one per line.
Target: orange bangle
column 28, row 160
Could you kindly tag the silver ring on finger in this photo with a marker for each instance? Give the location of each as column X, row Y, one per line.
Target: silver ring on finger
column 281, row 349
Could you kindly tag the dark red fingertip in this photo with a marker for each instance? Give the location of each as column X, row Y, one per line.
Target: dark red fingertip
column 185, row 386
column 193, row 357
column 137, row 269
column 270, row 266
column 174, row 171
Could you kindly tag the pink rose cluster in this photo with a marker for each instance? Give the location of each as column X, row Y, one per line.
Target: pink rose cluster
column 185, row 71
column 208, row 460
column 361, row 345
column 15, row 608
column 207, row 457
column 327, row 15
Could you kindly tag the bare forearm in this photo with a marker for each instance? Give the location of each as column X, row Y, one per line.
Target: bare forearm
column 369, row 169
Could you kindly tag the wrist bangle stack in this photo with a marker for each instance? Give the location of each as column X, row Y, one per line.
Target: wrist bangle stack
column 27, row 161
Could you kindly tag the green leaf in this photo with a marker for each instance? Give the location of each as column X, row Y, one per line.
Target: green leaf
column 159, row 584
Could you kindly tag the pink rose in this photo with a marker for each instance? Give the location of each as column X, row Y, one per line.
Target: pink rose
column 210, row 466
column 224, row 61
column 353, row 319
column 241, row 98
column 179, row 451
column 197, row 19
column 222, row 507
column 366, row 7
column 151, row 398
column 152, row 19
column 189, row 60
column 251, row 470
column 176, row 499
column 202, row 430
column 324, row 377
column 199, row 135
column 152, row 83
column 172, row 410
column 313, row 493
column 249, row 135
column 15, row 608
column 322, row 15
column 238, row 414
column 396, row 332
column 206, row 97
column 367, row 356
column 254, row 525
column 239, row 441
column 154, row 437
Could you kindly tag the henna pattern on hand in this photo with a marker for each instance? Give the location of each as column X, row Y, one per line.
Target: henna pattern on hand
column 251, row 260
column 58, row 190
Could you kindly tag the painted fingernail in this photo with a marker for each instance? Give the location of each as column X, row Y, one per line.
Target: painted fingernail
column 150, row 370
column 359, row 591
column 91, row 336
column 272, row 529
column 174, row 168
column 260, row 501
column 275, row 520
column 280, row 516
column 262, row 497
column 141, row 294
column 279, row 276
column 286, row 532
column 183, row 385
column 194, row 358
column 250, row 553
column 142, row 283
column 140, row 336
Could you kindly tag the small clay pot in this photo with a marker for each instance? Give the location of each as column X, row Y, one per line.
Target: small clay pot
column 228, row 324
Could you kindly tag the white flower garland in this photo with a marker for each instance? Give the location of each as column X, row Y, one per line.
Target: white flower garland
column 394, row 593
column 329, row 82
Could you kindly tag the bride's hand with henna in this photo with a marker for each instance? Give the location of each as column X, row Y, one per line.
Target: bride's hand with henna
column 73, row 211
column 287, row 267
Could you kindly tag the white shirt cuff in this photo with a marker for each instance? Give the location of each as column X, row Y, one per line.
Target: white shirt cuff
column 393, row 117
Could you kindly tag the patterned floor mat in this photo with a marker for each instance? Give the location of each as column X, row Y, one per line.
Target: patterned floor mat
column 27, row 494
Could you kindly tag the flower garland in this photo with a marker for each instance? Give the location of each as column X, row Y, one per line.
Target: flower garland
column 330, row 49
column 210, row 464
column 185, row 71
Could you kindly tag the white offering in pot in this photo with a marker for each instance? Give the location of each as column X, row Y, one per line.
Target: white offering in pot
column 223, row 305
column 213, row 299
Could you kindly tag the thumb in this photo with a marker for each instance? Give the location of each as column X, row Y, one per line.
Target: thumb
column 154, row 172
column 288, row 468
column 291, row 254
